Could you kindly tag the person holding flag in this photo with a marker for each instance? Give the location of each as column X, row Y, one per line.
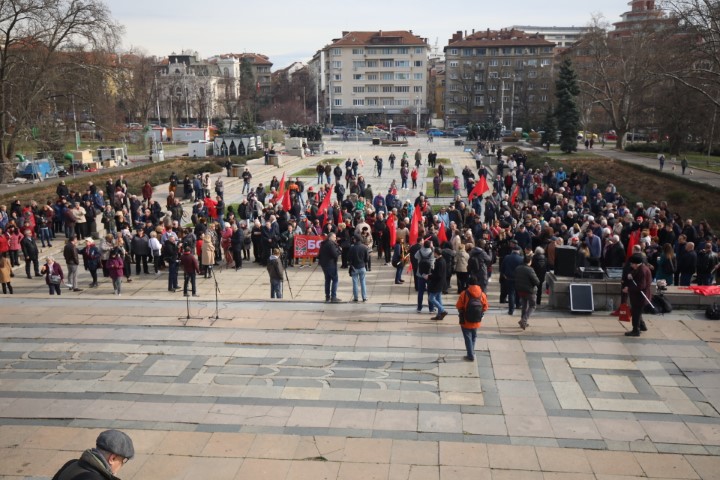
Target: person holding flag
column 480, row 188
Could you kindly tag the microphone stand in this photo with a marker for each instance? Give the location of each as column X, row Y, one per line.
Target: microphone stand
column 187, row 318
column 217, row 305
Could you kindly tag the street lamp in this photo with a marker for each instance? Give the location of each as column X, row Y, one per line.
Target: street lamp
column 417, row 113
column 512, row 106
column 356, row 128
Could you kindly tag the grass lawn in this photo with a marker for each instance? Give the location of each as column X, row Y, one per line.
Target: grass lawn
column 449, row 173
column 311, row 172
column 445, row 189
column 444, row 161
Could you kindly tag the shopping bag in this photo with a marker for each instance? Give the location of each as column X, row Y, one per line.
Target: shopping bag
column 624, row 312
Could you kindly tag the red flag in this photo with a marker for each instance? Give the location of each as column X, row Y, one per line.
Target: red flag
column 325, row 202
column 480, row 187
column 417, row 213
column 339, row 216
column 442, row 234
column 634, row 240
column 514, row 195
column 392, row 229
column 281, row 188
column 287, row 205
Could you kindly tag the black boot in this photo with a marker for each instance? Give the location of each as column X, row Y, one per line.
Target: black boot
column 10, row 288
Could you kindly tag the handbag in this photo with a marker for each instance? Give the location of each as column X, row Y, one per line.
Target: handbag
column 55, row 279
column 351, row 270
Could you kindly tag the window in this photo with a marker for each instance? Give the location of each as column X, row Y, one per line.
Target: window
column 372, row 51
column 493, row 52
column 493, row 63
column 506, row 75
column 403, row 50
column 387, row 89
column 543, row 86
column 480, row 65
column 388, row 101
column 531, row 86
column 480, row 51
column 531, row 98
column 543, row 98
column 337, row 77
column 372, row 88
column 402, row 76
column 386, row 51
column 453, row 51
column 479, row 87
column 418, row 102
column 506, row 99
column 519, row 51
column 337, row 89
column 417, row 89
column 547, row 49
column 467, row 52
column 453, row 76
column 507, row 51
column 358, row 89
column 357, row 76
column 402, row 63
column 359, row 64
column 467, row 75
column 453, row 64
column 418, row 50
column 372, row 76
column 358, row 101
column 532, row 74
column 387, row 75
column 336, row 51
column 545, row 62
column 402, row 102
column 336, row 64
column 418, row 76
column 371, row 63
column 371, row 101
column 506, row 63
column 493, row 75
column 519, row 64
column 358, row 51
column 337, row 102
column 387, row 63
column 532, row 62
column 452, row 111
column 402, row 89
column 454, row 87
column 493, row 87
column 418, row 63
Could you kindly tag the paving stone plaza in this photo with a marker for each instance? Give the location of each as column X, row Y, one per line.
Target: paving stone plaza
column 300, row 389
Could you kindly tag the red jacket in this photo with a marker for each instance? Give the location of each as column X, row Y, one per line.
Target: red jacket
column 462, row 301
column 189, row 263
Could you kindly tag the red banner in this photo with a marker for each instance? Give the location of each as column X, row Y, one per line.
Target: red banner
column 307, row 245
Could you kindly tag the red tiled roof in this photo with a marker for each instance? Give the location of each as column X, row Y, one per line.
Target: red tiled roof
column 500, row 38
column 255, row 58
column 380, row 37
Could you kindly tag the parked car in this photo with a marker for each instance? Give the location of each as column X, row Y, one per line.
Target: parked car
column 462, row 131
column 435, row 132
column 451, row 133
column 403, row 131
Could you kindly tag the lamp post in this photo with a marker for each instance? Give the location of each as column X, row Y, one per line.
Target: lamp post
column 512, row 106
column 356, row 128
column 417, row 113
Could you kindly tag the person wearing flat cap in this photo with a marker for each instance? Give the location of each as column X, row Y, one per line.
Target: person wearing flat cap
column 112, row 449
column 637, row 287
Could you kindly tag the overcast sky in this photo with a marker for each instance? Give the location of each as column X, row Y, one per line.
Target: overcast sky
column 291, row 30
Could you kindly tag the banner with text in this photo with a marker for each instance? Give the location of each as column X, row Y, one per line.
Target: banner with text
column 307, row 245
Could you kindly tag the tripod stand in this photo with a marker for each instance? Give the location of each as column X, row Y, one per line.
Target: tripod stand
column 217, row 305
column 188, row 317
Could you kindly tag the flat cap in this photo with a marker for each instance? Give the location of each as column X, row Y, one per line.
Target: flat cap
column 117, row 442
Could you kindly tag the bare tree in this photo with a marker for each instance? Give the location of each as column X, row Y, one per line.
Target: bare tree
column 35, row 38
column 698, row 28
column 615, row 73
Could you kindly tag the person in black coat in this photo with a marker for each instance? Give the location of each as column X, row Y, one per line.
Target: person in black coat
column 113, row 449
column 436, row 284
column 30, row 253
column 327, row 259
column 237, row 243
column 507, row 276
column 539, row 265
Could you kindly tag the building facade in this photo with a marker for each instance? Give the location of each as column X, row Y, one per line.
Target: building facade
column 379, row 77
column 562, row 37
column 500, row 76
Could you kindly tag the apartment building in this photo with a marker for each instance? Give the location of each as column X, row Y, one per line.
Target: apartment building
column 379, row 77
column 562, row 37
column 498, row 75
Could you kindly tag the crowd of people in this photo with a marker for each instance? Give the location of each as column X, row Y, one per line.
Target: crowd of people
column 512, row 226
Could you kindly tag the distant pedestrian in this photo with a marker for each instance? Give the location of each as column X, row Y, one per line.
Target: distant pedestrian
column 116, row 269
column 436, row 284
column 638, row 284
column 684, row 164
column 113, row 449
column 358, row 257
column 661, row 161
column 53, row 275
column 191, row 268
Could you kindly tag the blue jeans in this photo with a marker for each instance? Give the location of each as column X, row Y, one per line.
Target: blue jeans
column 331, row 281
column 421, row 287
column 435, row 299
column 359, row 276
column 469, row 335
column 45, row 236
column 276, row 288
column 398, row 272
column 172, row 275
column 511, row 297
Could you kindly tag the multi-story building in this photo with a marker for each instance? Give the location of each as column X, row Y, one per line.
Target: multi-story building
column 379, row 77
column 562, row 37
column 504, row 76
column 642, row 14
column 260, row 66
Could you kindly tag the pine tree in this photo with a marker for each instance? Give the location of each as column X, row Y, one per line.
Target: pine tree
column 550, row 127
column 566, row 111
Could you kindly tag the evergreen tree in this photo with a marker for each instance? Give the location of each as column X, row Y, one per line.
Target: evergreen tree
column 566, row 111
column 549, row 128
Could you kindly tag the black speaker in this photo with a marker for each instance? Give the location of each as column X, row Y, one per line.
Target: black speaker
column 565, row 261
